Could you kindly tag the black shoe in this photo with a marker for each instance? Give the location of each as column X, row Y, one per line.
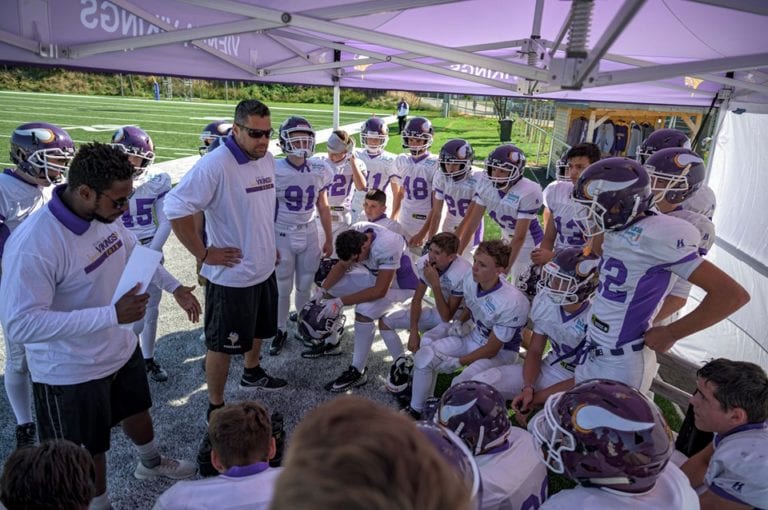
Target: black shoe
column 204, row 464
column 277, row 343
column 321, row 350
column 155, row 371
column 351, row 378
column 413, row 413
column 293, row 316
column 262, row 381
column 26, row 435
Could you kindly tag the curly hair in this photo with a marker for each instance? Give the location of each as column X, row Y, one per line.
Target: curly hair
column 738, row 384
column 248, row 107
column 98, row 165
column 350, row 243
column 55, row 475
column 497, row 249
column 240, row 433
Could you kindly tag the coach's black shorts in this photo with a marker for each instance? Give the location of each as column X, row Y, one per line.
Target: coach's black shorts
column 84, row 413
column 235, row 316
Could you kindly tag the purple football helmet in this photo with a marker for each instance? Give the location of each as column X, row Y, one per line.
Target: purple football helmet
column 477, row 413
column 456, row 453
column 528, row 281
column 134, row 141
column 316, row 329
column 614, row 192
column 458, row 152
column 570, row 277
column 374, row 135
column 211, row 132
column 417, row 128
column 604, row 433
column 676, row 173
column 662, row 139
column 42, row 151
column 297, row 138
column 510, row 161
column 323, row 269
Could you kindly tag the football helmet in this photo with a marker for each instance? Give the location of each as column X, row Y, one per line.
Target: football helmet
column 42, row 151
column 417, row 128
column 561, row 169
column 570, row 277
column 614, row 192
column 400, row 374
column 676, row 173
column 456, row 453
column 457, row 151
column 314, row 328
column 211, row 132
column 374, row 130
column 477, row 413
column 527, row 281
column 297, row 138
column 603, row 433
column 662, row 139
column 510, row 161
column 323, row 269
column 134, row 141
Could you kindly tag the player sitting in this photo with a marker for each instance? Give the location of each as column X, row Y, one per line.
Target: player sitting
column 614, row 442
column 442, row 271
column 731, row 400
column 510, row 471
column 498, row 312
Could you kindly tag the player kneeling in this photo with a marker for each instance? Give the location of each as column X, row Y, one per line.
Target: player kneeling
column 498, row 311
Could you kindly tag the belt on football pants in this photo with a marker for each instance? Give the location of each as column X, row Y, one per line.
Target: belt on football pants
column 599, row 351
column 292, row 228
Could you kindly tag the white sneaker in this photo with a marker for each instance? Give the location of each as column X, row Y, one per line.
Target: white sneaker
column 168, row 468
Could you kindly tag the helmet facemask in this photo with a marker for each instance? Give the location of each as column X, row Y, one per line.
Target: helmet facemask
column 366, row 139
column 298, row 143
column 552, row 439
column 49, row 166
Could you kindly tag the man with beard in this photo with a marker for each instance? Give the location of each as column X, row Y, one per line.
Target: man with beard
column 61, row 268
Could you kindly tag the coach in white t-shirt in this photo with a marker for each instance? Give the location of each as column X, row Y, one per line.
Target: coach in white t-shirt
column 242, row 445
column 234, row 185
column 60, row 270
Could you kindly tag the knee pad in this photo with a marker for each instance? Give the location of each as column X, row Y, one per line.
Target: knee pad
column 424, row 358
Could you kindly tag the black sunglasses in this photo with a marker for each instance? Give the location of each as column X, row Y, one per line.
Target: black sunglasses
column 257, row 133
column 120, row 203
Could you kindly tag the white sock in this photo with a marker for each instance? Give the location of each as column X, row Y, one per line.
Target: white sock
column 148, row 454
column 424, row 380
column 332, row 339
column 100, row 502
column 393, row 342
column 19, row 389
column 364, row 333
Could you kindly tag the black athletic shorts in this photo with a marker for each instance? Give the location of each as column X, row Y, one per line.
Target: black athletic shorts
column 85, row 413
column 235, row 316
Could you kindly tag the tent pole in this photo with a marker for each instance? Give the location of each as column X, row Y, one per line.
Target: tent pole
column 336, row 102
column 722, row 111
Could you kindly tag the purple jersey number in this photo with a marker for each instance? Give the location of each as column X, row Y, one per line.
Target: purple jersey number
column 575, row 239
column 613, row 274
column 457, row 208
column 143, row 213
column 506, row 222
column 294, row 198
column 341, row 185
column 376, row 184
column 416, row 188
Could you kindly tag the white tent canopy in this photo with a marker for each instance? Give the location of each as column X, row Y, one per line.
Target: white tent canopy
column 671, row 52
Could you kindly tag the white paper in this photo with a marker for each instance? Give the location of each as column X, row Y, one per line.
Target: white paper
column 140, row 268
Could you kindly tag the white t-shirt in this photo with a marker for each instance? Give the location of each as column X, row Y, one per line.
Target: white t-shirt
column 737, row 469
column 238, row 197
column 250, row 492
column 59, row 274
column 672, row 490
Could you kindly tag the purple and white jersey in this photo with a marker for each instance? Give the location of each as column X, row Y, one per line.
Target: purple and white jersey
column 557, row 198
column 682, row 288
column 565, row 331
column 672, row 490
column 702, row 202
column 520, row 202
column 298, row 188
column 389, row 223
column 18, row 199
column 379, row 169
column 734, row 469
column 456, row 195
column 141, row 218
column 416, row 176
column 340, row 190
column 388, row 252
column 513, row 478
column 452, row 279
column 503, row 310
column 636, row 272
